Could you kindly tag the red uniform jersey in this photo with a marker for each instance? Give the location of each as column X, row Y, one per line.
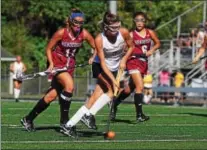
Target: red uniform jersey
column 66, row 49
column 68, row 46
column 142, row 45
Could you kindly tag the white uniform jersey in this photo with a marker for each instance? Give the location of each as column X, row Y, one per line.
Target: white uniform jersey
column 113, row 52
column 18, row 69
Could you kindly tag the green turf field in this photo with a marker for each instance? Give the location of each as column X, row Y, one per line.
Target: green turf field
column 168, row 128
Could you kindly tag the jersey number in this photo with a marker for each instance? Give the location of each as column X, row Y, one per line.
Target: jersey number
column 144, row 49
column 70, row 52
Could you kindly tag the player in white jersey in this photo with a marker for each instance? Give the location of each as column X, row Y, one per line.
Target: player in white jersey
column 110, row 49
column 17, row 68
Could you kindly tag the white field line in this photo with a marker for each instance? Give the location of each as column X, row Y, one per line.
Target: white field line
column 82, row 102
column 114, row 124
column 122, row 115
column 101, row 141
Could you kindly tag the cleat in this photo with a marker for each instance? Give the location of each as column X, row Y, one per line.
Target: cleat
column 142, row 118
column 62, row 126
column 89, row 121
column 28, row 125
column 113, row 114
column 69, row 131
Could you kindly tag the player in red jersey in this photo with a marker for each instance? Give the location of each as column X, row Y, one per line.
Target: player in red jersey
column 137, row 65
column 61, row 51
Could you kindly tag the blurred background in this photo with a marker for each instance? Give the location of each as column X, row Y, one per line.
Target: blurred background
column 27, row 26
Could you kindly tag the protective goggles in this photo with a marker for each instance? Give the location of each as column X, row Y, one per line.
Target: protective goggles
column 113, row 28
column 76, row 22
column 139, row 20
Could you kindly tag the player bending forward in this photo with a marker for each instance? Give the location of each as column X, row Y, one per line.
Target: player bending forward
column 137, row 65
column 65, row 43
column 110, row 49
column 17, row 68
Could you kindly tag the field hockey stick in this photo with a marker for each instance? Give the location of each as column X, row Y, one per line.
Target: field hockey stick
column 116, row 90
column 189, row 64
column 45, row 73
column 40, row 74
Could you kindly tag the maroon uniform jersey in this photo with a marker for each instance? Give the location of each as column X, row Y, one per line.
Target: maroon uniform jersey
column 66, row 49
column 68, row 46
column 142, row 45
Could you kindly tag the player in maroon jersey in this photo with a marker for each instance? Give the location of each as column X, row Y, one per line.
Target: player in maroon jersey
column 61, row 51
column 137, row 65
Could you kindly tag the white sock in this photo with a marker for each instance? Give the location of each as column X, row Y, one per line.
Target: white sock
column 145, row 99
column 16, row 93
column 150, row 97
column 77, row 117
column 100, row 103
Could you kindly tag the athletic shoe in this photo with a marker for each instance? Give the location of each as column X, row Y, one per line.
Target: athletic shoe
column 28, row 125
column 62, row 126
column 17, row 100
column 89, row 121
column 113, row 114
column 69, row 131
column 142, row 118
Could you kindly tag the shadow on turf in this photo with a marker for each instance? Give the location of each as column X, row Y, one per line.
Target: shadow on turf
column 121, row 121
column 196, row 114
column 89, row 133
column 48, row 128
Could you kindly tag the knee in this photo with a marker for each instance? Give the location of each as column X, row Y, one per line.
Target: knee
column 127, row 91
column 68, row 88
column 49, row 98
column 139, row 89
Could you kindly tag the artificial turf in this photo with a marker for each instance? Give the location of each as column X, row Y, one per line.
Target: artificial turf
column 168, row 128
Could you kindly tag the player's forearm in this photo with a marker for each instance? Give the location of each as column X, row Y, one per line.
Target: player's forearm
column 128, row 53
column 200, row 52
column 49, row 56
column 11, row 68
column 155, row 47
column 94, row 53
column 24, row 69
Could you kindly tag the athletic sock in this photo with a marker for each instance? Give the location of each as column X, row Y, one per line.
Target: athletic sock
column 77, row 117
column 65, row 101
column 138, row 97
column 120, row 98
column 100, row 103
column 39, row 107
column 16, row 93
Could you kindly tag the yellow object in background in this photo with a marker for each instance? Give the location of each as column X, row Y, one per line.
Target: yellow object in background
column 148, row 79
column 179, row 79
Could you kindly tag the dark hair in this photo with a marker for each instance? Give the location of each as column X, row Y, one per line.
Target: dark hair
column 140, row 14
column 75, row 10
column 110, row 18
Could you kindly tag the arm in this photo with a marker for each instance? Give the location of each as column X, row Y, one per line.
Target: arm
column 100, row 53
column 24, row 68
column 56, row 37
column 201, row 51
column 156, row 43
column 126, row 35
column 11, row 67
column 91, row 42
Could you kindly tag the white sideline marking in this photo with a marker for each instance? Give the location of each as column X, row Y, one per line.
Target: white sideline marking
column 106, row 114
column 116, row 124
column 103, row 141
